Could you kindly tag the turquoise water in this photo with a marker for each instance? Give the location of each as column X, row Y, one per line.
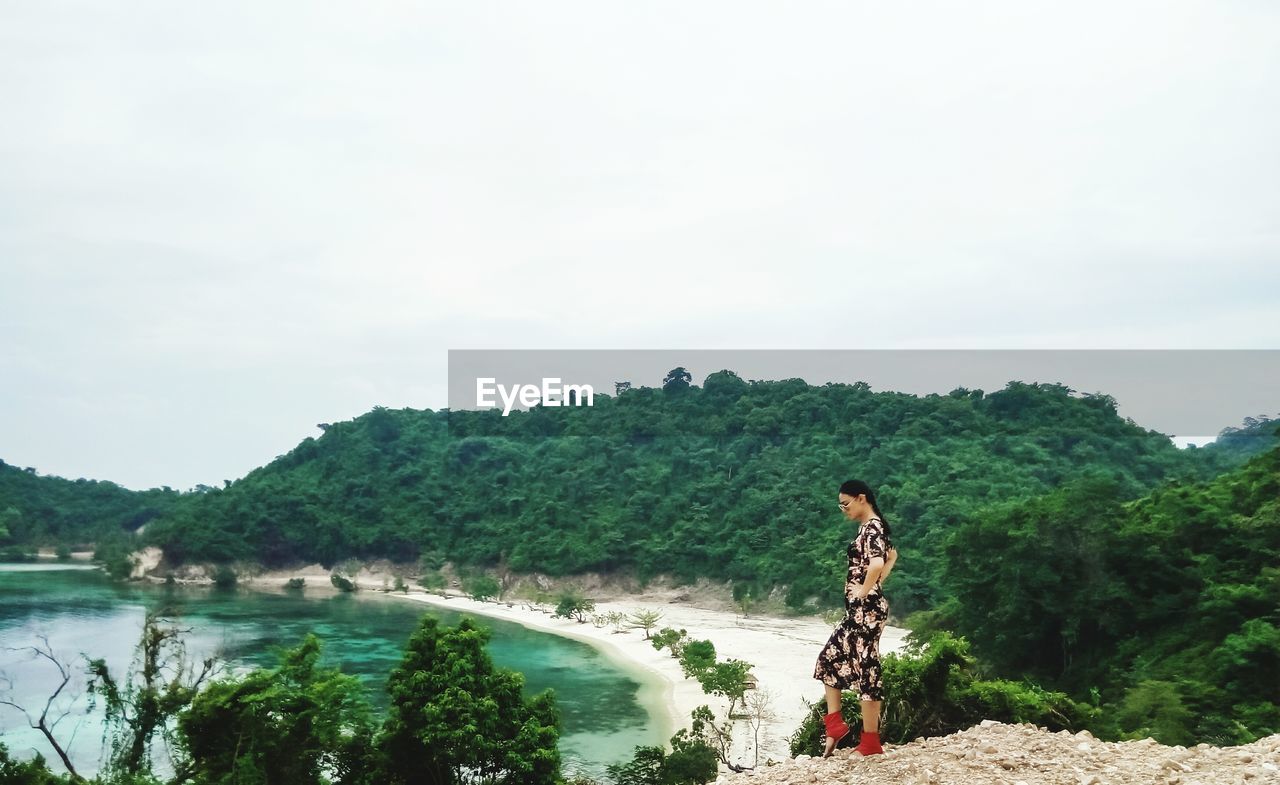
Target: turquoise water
column 81, row 611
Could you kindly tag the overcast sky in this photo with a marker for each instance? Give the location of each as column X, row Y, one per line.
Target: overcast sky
column 222, row 223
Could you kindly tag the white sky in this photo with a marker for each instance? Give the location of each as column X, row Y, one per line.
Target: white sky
column 223, row 223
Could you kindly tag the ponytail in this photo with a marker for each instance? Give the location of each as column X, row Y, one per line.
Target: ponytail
column 860, row 488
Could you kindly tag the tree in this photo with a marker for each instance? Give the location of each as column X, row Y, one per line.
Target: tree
column 31, row 772
column 294, row 724
column 433, row 580
column 10, row 521
column 573, row 605
column 759, row 711
column 645, row 620
column 696, row 657
column 644, row 768
column 482, row 588
column 456, row 718
column 673, row 640
column 730, row 679
column 43, row 723
column 744, row 594
column 691, row 762
column 144, row 703
column 1155, row 709
column 677, row 380
column 704, row 731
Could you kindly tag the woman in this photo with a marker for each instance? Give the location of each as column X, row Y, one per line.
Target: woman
column 851, row 657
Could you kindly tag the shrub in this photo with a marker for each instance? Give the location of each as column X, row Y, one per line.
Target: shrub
column 932, row 689
column 696, row 657
column 668, row 638
column 224, row 576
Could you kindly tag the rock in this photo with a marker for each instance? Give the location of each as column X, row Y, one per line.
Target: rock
column 987, row 723
column 1016, row 755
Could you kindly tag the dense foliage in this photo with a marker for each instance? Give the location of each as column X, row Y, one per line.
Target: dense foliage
column 454, row 714
column 934, row 688
column 453, row 718
column 730, row 481
column 39, row 510
column 1169, row 605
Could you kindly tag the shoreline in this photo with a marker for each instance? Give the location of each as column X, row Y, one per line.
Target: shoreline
column 781, row 649
column 657, row 688
column 782, row 652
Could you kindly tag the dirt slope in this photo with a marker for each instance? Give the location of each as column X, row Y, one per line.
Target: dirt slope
column 993, row 753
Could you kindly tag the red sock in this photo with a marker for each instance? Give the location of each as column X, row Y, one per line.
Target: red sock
column 836, row 727
column 869, row 744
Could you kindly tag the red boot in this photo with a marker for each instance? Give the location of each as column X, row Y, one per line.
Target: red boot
column 869, row 744
column 837, row 730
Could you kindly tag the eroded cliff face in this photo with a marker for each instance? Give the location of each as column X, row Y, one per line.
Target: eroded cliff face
column 994, row 753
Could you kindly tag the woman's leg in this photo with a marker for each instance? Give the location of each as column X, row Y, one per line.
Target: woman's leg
column 871, row 686
column 833, row 699
column 871, row 716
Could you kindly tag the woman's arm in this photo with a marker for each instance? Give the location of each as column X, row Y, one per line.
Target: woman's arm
column 874, row 569
column 888, row 565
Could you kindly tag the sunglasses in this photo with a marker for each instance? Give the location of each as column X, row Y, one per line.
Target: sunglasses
column 843, row 505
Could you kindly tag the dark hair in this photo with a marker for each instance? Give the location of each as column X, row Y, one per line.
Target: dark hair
column 860, row 488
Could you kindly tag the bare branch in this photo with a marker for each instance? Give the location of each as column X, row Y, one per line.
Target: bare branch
column 42, row 724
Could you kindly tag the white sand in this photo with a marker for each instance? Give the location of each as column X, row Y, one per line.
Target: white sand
column 782, row 651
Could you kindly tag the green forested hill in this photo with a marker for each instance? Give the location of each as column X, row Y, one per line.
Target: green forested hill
column 38, row 510
column 733, row 480
column 1169, row 604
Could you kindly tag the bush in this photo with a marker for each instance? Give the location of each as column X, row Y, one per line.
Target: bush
column 224, row 576
column 696, row 657
column 31, row 772
column 341, row 583
column 453, row 713
column 668, row 638
column 932, row 689
column 432, row 580
column 481, row 588
column 114, row 556
column 295, row 583
column 573, row 605
column 1154, row 708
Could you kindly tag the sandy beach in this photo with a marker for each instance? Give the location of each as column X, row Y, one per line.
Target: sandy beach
column 782, row 651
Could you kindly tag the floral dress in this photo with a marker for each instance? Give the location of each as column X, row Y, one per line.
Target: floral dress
column 851, row 657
